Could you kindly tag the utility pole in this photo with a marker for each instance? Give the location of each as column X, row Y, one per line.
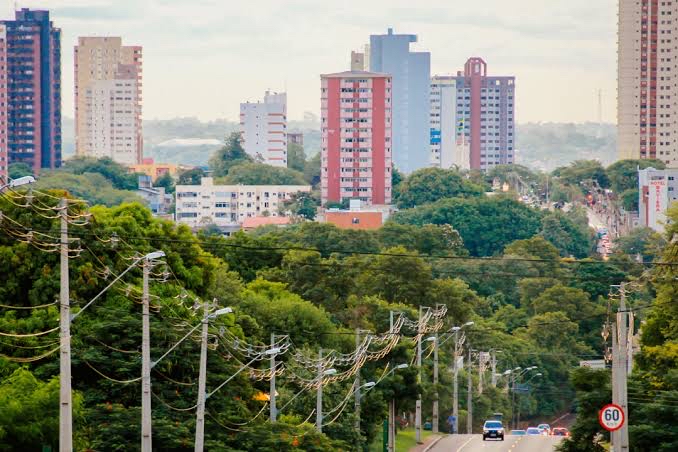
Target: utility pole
column 65, row 397
column 620, row 369
column 146, row 443
column 455, row 388
column 356, row 424
column 391, row 405
column 435, row 384
column 274, row 414
column 202, row 381
column 319, row 395
column 417, row 416
column 493, row 362
column 513, row 400
column 469, row 399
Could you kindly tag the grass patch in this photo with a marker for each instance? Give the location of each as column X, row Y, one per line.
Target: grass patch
column 405, row 440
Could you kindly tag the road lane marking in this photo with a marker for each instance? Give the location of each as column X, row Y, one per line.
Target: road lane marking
column 464, row 445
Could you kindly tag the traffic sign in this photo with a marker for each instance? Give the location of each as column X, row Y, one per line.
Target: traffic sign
column 611, row 417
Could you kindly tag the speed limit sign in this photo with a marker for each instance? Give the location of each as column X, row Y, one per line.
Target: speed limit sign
column 611, row 417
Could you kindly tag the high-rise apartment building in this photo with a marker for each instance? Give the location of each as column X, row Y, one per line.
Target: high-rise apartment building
column 472, row 120
column 647, row 115
column 356, row 137
column 108, row 88
column 30, row 91
column 657, row 191
column 263, row 126
column 411, row 75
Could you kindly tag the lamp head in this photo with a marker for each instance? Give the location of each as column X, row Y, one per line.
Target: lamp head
column 222, row 311
column 154, row 255
column 369, row 384
column 330, row 372
column 272, row 351
column 469, row 323
column 21, row 181
column 401, row 366
column 430, row 339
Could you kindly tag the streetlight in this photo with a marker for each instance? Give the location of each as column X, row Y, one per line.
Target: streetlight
column 512, row 384
column 319, row 394
column 19, row 181
column 458, row 343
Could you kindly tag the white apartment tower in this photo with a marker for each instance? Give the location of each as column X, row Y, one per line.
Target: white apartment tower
column 263, row 126
column 108, row 99
column 647, row 113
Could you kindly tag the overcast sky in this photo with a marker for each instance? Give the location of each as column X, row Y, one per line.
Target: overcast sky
column 203, row 57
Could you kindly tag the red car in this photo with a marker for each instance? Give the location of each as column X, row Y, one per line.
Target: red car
column 560, row 431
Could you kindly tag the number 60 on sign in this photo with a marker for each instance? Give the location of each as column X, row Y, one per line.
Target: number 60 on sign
column 611, row 417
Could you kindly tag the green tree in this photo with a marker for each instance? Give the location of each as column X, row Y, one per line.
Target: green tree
column 572, row 238
column 116, row 173
column 29, row 412
column 19, row 169
column 623, row 174
column 642, row 241
column 92, row 187
column 251, row 173
column 232, row 153
column 486, row 224
column 296, row 158
column 166, row 181
column 431, row 184
column 312, row 170
column 190, row 177
column 303, row 204
column 582, row 170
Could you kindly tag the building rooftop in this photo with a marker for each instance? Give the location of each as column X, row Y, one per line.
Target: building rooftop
column 362, row 74
column 255, row 222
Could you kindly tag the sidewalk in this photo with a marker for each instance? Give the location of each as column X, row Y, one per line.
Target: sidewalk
column 428, row 442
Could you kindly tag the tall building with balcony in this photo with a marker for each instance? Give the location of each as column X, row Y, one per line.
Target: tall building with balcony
column 108, row 87
column 411, row 75
column 472, row 118
column 30, row 91
column 647, row 113
column 263, row 126
column 356, row 137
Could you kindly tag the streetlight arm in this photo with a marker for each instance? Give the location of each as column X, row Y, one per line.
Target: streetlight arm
column 153, row 363
column 74, row 316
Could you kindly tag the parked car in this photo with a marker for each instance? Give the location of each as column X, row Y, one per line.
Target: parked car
column 545, row 429
column 493, row 430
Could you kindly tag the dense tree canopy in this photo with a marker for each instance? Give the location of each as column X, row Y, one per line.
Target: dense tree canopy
column 230, row 154
column 431, row 184
column 251, row 173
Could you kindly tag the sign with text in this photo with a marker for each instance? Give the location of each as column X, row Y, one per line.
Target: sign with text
column 611, row 417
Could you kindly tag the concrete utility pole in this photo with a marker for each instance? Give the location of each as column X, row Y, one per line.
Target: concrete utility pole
column 202, row 382
column 493, row 361
column 620, row 369
column 391, row 405
column 146, row 440
column 469, row 400
column 455, row 387
column 65, row 398
column 417, row 415
column 319, row 394
column 435, row 384
column 356, row 423
column 274, row 414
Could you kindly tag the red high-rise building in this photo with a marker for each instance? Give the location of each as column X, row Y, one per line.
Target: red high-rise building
column 30, row 91
column 356, row 137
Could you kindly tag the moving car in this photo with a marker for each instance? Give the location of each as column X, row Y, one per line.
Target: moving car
column 518, row 432
column 533, row 431
column 545, row 429
column 560, row 431
column 493, row 430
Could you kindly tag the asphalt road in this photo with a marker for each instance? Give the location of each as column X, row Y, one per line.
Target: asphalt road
column 473, row 443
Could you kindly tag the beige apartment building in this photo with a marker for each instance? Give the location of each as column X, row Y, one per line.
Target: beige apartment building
column 647, row 112
column 108, row 99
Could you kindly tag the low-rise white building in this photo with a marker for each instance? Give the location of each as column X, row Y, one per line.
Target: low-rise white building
column 263, row 126
column 657, row 189
column 229, row 205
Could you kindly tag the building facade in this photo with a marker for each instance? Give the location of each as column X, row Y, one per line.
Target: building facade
column 356, row 137
column 472, row 118
column 295, row 138
column 229, row 205
column 30, row 91
column 263, row 126
column 657, row 189
column 108, row 89
column 647, row 96
column 411, row 78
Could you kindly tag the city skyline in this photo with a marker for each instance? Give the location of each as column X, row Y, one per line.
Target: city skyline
column 571, row 45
